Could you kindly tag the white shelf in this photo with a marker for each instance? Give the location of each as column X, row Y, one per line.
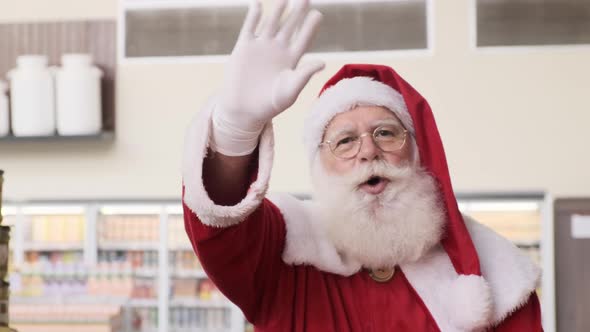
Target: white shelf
column 128, row 246
column 36, row 246
column 147, row 273
column 142, row 303
column 174, row 209
column 196, row 303
column 141, row 273
column 67, row 300
column 180, row 247
column 188, row 273
column 53, row 209
column 45, row 321
column 131, row 209
column 198, row 329
column 105, row 136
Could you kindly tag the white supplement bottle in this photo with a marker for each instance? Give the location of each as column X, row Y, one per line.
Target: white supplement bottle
column 78, row 93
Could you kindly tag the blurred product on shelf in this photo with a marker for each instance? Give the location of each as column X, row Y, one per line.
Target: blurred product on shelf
column 32, row 97
column 58, row 274
column 208, row 291
column 4, row 294
column 185, row 288
column 4, row 251
column 144, row 289
column 58, row 271
column 4, row 263
column 78, row 98
column 184, row 260
column 4, row 116
column 57, row 229
column 211, row 319
column 73, row 313
column 50, row 274
column 177, row 237
column 120, row 261
column 195, row 289
column 144, row 319
column 182, row 319
column 129, row 228
column 1, row 183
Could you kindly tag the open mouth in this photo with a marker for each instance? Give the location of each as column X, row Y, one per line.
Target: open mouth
column 374, row 180
column 375, row 185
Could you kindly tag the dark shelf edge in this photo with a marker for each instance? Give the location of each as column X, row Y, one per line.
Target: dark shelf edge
column 105, row 136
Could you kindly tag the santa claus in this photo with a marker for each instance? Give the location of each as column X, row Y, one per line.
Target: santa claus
column 382, row 246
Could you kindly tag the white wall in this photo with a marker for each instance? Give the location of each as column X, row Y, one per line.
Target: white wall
column 511, row 120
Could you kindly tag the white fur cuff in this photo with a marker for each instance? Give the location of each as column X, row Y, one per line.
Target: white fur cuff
column 195, row 195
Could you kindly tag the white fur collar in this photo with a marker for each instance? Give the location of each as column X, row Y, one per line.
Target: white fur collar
column 457, row 302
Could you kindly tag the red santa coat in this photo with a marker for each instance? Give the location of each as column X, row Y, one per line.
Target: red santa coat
column 267, row 255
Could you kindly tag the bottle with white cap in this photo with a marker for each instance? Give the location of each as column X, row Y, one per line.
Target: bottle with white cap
column 4, row 125
column 78, row 96
column 32, row 97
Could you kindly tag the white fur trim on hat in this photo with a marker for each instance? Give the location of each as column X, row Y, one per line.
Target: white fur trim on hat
column 344, row 96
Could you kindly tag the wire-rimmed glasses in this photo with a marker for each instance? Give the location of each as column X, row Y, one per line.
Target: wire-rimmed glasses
column 388, row 138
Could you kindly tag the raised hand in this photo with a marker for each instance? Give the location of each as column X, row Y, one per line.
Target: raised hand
column 263, row 77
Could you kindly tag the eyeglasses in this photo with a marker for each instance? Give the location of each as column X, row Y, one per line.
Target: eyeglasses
column 388, row 138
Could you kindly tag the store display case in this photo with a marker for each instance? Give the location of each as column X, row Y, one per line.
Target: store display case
column 86, row 265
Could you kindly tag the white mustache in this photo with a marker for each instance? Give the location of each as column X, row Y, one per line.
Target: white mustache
column 378, row 168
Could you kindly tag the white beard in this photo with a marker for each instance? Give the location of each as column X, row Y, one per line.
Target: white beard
column 397, row 226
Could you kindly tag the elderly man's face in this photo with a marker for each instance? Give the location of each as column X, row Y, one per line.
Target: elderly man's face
column 378, row 207
column 362, row 119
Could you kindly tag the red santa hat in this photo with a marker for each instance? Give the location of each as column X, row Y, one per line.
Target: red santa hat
column 362, row 84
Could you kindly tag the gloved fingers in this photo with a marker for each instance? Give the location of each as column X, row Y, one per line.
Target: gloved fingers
column 306, row 33
column 304, row 71
column 251, row 21
column 294, row 20
column 272, row 22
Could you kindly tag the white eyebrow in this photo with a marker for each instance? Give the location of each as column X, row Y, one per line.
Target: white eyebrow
column 351, row 129
column 388, row 121
column 340, row 131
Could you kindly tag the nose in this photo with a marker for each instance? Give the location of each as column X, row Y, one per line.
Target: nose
column 369, row 151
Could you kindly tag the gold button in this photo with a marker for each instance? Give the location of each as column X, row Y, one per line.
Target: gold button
column 382, row 275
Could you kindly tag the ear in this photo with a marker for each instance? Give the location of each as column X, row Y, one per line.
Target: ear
column 415, row 154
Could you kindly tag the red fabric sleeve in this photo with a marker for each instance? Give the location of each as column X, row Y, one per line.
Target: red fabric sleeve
column 525, row 319
column 244, row 260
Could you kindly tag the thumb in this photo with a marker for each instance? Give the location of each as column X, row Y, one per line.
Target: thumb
column 290, row 83
column 305, row 71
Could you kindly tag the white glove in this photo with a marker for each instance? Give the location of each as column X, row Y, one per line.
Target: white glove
column 263, row 77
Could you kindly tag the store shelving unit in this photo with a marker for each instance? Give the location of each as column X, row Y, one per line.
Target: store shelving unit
column 132, row 257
